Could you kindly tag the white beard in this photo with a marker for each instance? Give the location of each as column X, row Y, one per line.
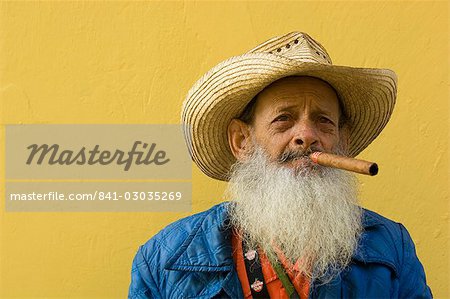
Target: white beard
column 311, row 215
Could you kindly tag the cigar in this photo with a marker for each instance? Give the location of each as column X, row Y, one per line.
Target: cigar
column 345, row 163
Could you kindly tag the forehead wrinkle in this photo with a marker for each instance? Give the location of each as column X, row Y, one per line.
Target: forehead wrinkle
column 283, row 94
column 319, row 104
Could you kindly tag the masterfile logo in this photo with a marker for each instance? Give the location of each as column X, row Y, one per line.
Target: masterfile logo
column 97, row 168
column 96, row 152
column 52, row 155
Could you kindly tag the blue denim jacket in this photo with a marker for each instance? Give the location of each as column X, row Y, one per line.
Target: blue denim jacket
column 191, row 258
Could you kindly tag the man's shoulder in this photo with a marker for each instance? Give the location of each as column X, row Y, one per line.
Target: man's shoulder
column 193, row 243
column 186, row 225
column 382, row 240
column 388, row 243
column 168, row 240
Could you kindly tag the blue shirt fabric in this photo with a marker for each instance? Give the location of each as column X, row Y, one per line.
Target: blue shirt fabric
column 192, row 258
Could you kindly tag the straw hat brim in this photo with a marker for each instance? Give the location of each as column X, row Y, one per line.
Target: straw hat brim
column 367, row 95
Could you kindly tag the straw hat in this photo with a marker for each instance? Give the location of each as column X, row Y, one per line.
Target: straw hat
column 367, row 95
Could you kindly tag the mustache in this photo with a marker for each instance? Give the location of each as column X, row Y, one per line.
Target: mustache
column 290, row 155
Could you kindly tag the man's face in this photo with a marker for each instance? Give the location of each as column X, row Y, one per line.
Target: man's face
column 312, row 216
column 296, row 115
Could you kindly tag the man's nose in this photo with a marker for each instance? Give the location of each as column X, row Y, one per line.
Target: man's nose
column 305, row 134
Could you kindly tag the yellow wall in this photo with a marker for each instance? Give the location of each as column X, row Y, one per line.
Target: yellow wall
column 133, row 62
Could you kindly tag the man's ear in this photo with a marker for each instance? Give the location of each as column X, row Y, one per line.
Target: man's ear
column 239, row 138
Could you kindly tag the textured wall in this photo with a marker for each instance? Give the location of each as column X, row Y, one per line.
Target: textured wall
column 133, row 62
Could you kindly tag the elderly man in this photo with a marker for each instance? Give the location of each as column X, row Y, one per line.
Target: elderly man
column 291, row 228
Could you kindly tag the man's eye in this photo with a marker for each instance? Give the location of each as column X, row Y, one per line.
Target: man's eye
column 325, row 120
column 282, row 117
